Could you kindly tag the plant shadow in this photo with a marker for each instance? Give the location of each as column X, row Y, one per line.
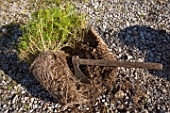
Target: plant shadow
column 156, row 44
column 14, row 68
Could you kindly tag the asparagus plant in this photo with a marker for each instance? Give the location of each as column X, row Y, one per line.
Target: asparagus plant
column 50, row 29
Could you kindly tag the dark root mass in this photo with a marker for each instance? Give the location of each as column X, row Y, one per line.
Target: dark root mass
column 54, row 70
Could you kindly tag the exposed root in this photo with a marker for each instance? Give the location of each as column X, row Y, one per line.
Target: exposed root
column 56, row 74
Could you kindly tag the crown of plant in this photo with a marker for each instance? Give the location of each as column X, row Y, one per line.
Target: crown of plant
column 50, row 29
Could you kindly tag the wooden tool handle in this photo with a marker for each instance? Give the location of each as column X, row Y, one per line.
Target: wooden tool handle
column 148, row 65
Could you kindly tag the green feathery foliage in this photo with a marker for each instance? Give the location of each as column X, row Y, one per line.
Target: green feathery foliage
column 50, row 29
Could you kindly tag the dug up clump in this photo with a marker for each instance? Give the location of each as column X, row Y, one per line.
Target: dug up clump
column 49, row 42
column 54, row 70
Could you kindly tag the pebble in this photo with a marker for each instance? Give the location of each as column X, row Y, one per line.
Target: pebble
column 120, row 94
column 15, row 99
column 103, row 100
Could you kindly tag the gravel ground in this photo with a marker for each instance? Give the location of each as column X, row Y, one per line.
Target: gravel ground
column 135, row 31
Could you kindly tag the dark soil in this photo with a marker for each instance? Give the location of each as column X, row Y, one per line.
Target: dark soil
column 54, row 70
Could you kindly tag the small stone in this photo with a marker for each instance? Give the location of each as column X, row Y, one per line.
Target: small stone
column 15, row 99
column 103, row 100
column 22, row 92
column 87, row 108
column 35, row 106
column 121, row 106
column 4, row 106
column 26, row 98
column 106, row 104
column 6, row 111
column 32, row 100
column 31, row 110
column 120, row 94
column 164, row 90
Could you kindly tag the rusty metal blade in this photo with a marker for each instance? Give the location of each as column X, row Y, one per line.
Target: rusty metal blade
column 78, row 72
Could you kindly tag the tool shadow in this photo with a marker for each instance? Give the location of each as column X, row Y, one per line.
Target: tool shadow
column 156, row 44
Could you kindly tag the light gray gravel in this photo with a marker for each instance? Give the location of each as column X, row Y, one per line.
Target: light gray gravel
column 134, row 30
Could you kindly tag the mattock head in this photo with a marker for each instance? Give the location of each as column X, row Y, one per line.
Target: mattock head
column 78, row 73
